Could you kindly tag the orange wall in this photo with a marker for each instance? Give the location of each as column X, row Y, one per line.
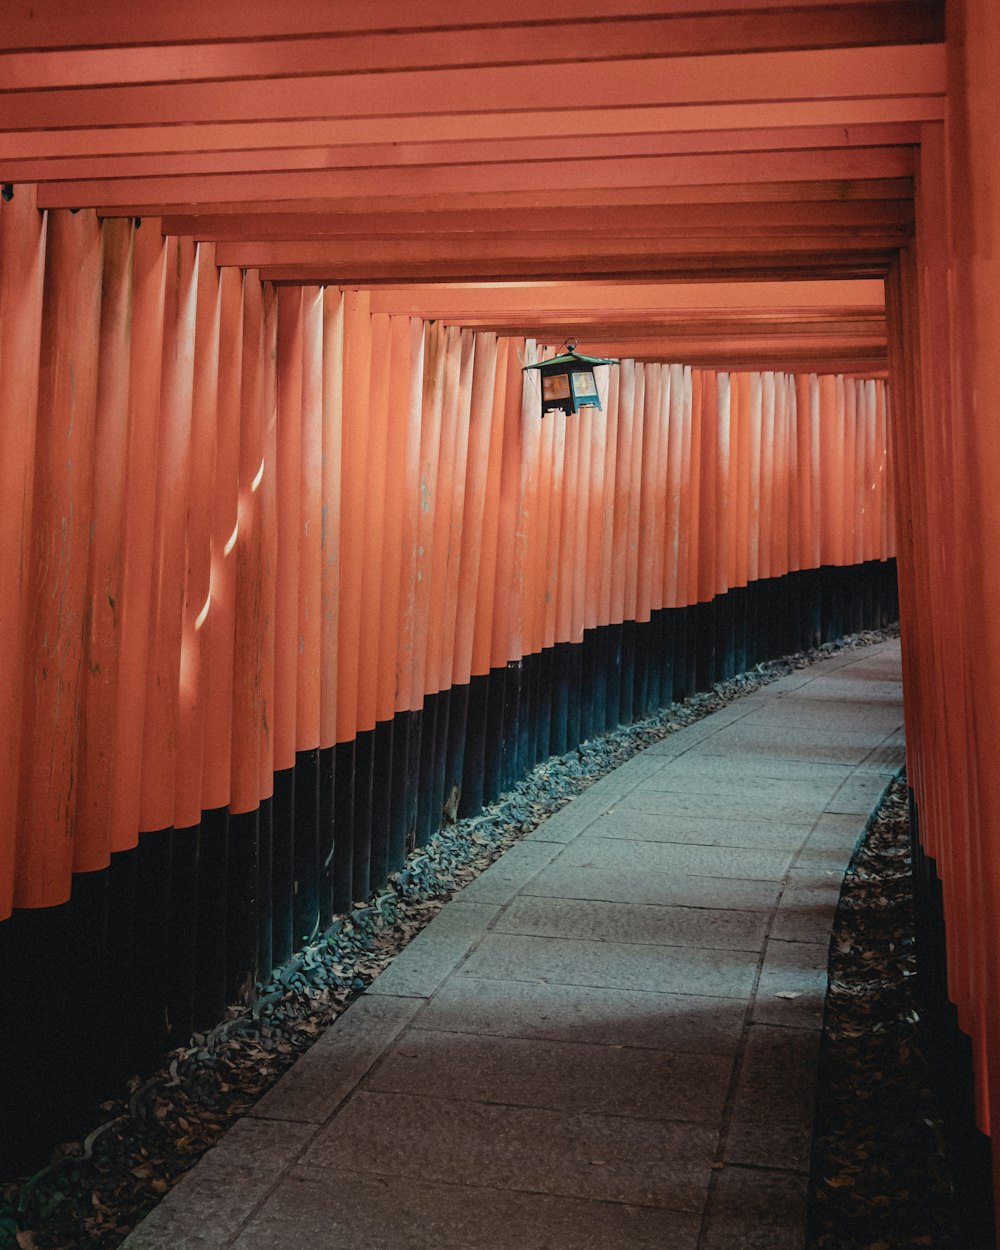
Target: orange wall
column 237, row 522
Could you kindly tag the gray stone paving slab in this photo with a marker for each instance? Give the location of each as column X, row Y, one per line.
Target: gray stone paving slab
column 887, row 756
column 608, row 1158
column 435, row 951
column 569, row 822
column 597, row 1015
column 585, row 919
column 759, row 741
column 857, row 687
column 510, row 873
column 209, row 1203
column 676, row 860
column 860, row 794
column 667, row 969
column 641, row 809
column 837, row 831
column 562, row 1076
column 638, row 769
column 792, row 968
column 691, row 766
column 362, row 1212
column 802, row 711
column 638, row 826
column 312, row 1089
column 755, row 1209
column 684, row 777
column 808, row 906
column 618, row 882
column 771, row 1125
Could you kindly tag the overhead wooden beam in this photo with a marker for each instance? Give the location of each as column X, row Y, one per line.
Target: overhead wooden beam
column 718, row 169
column 39, row 24
column 577, row 121
column 700, row 266
column 448, row 302
column 822, row 190
column 471, row 152
column 596, row 328
column 914, row 70
column 559, row 42
column 352, row 254
column 626, row 220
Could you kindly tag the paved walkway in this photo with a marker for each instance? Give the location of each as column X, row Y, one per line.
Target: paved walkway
column 610, row 1037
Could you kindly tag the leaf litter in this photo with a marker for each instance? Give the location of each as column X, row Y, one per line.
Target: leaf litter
column 882, row 1176
column 149, row 1133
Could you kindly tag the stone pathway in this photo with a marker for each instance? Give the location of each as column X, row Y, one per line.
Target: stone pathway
column 610, row 1037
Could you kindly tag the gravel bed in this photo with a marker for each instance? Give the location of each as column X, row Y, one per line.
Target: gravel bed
column 149, row 1133
column 882, row 1174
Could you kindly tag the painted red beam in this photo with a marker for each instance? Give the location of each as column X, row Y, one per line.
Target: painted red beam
column 577, row 121
column 822, row 264
column 351, row 254
column 516, row 299
column 835, row 359
column 743, row 167
column 36, row 24
column 915, row 70
column 564, row 220
column 469, row 152
column 813, row 191
column 594, row 330
column 574, row 42
column 687, row 347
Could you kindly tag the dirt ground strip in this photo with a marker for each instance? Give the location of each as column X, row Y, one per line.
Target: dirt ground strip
column 882, row 1173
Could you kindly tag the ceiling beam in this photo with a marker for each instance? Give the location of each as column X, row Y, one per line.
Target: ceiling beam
column 558, row 42
column 564, row 220
column 486, row 179
column 515, row 250
column 700, row 266
column 837, row 73
column 517, row 300
column 813, row 191
column 514, row 151
column 575, row 122
column 67, row 24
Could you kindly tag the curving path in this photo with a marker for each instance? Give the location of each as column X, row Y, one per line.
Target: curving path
column 611, row 1036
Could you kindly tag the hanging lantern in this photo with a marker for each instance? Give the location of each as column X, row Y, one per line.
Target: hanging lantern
column 568, row 382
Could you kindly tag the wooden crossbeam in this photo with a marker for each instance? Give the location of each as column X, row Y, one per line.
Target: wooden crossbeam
column 832, row 73
column 37, row 25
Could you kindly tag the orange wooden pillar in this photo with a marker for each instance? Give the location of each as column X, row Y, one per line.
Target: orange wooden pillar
column 392, row 697
column 60, row 548
column 159, row 754
column 197, row 602
column 248, row 849
column 308, row 625
column 353, row 455
column 332, row 400
column 609, row 644
column 217, row 631
column 649, row 471
column 481, row 779
column 23, row 238
column 219, row 626
column 100, row 733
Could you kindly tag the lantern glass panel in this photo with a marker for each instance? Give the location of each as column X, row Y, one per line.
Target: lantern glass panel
column 556, row 386
column 584, row 387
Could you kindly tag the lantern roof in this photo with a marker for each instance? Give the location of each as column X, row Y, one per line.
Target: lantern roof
column 571, row 358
